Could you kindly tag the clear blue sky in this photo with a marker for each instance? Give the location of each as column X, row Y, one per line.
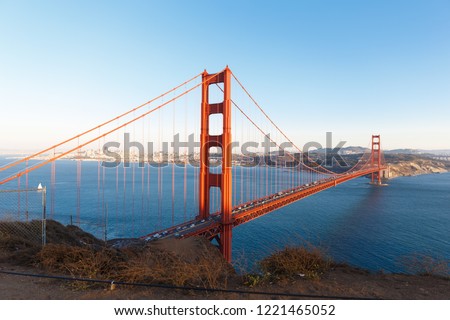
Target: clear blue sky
column 350, row 67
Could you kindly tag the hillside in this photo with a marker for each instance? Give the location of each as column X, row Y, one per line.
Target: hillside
column 412, row 165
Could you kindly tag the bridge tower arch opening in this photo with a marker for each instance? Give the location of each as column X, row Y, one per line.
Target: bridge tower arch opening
column 222, row 180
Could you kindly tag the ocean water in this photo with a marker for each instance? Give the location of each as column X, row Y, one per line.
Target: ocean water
column 366, row 226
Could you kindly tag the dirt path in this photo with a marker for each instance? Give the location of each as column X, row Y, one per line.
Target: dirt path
column 342, row 281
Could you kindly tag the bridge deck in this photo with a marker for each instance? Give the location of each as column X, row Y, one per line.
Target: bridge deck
column 246, row 212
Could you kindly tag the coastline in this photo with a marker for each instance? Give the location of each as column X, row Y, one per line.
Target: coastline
column 418, row 174
column 412, row 170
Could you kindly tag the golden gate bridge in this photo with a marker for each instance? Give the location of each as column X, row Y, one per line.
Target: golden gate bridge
column 228, row 188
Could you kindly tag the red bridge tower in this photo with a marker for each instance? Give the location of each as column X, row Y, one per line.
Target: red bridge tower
column 376, row 159
column 223, row 141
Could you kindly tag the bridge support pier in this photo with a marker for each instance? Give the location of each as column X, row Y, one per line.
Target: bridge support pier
column 223, row 141
column 226, row 237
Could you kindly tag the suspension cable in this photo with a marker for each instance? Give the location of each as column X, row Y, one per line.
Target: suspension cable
column 265, row 134
column 7, row 166
column 271, row 121
column 62, row 154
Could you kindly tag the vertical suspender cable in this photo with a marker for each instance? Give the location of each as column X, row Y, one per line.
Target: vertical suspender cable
column 116, row 213
column 26, row 192
column 104, row 204
column 99, row 213
column 18, row 198
column 148, row 162
column 142, row 168
column 78, row 210
column 242, row 163
column 116, row 217
column 235, row 159
column 173, row 165
column 124, row 197
column 185, row 159
column 52, row 188
column 159, row 173
column 133, row 190
column 133, row 185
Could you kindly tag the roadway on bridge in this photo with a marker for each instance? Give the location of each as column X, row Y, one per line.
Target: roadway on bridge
column 250, row 210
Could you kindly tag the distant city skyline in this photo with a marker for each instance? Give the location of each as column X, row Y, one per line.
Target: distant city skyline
column 350, row 67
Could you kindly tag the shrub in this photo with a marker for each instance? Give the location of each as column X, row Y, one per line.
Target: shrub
column 296, row 261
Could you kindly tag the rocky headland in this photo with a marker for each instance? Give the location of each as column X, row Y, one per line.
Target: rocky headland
column 401, row 165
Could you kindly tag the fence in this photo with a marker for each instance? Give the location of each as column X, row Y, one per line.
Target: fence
column 23, row 215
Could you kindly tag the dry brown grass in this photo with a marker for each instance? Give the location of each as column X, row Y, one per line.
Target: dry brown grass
column 309, row 262
column 79, row 262
column 71, row 251
column 153, row 265
column 145, row 265
column 176, row 262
